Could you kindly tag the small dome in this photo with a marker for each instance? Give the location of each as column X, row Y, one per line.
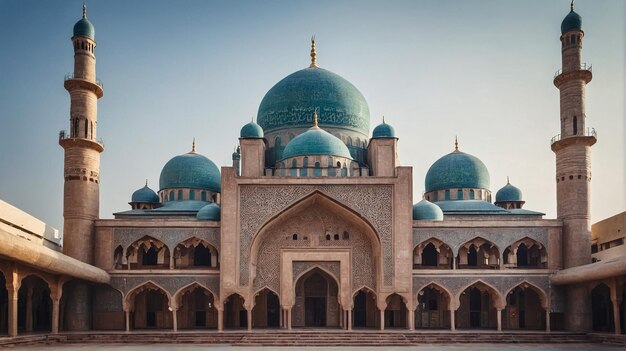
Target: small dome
column 383, row 130
column 251, row 131
column 509, row 193
column 210, row 212
column 145, row 194
column 316, row 141
column 457, row 170
column 190, row 170
column 290, row 103
column 84, row 28
column 427, row 211
column 572, row 21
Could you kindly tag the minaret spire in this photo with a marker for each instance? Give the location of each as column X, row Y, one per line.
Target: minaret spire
column 313, row 53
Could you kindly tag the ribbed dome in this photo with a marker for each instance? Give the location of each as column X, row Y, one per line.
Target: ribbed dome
column 457, row 170
column 190, row 170
column 571, row 21
column 383, row 130
column 251, row 131
column 291, row 102
column 509, row 193
column 427, row 211
column 145, row 194
column 316, row 141
column 210, row 212
column 84, row 28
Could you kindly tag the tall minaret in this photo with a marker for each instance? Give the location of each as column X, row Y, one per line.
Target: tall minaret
column 81, row 192
column 573, row 167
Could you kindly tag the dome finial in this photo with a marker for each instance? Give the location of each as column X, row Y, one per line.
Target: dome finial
column 313, row 53
column 85, row 9
column 193, row 146
column 571, row 6
column 146, row 182
column 384, row 120
column 507, row 180
column 315, row 119
column 456, row 143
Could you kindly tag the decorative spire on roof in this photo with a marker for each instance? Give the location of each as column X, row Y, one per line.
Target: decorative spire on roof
column 313, row 53
column 85, row 9
column 456, row 144
column 571, row 6
column 384, row 120
column 315, row 119
column 146, row 182
column 193, row 146
column 507, row 180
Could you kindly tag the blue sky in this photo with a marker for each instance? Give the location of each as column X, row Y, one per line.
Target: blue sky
column 175, row 70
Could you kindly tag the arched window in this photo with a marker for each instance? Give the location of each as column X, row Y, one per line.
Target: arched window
column 327, row 236
column 471, row 194
column 447, row 194
column 346, row 235
column 192, row 194
column 180, row 195
column 472, row 257
column 459, row 194
column 86, row 127
column 430, row 256
column 305, row 165
column 203, row 196
column 522, row 255
column 336, row 236
column 317, row 171
column 575, row 126
column 294, row 237
column 172, row 195
column 201, row 256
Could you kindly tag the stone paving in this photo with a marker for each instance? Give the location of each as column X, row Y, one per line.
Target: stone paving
column 476, row 347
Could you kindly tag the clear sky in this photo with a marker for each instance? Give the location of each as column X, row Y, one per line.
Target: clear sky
column 175, row 70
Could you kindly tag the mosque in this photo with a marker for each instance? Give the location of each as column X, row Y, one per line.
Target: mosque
column 314, row 225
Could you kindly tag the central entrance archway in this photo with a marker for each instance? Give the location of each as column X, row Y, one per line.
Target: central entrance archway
column 316, row 300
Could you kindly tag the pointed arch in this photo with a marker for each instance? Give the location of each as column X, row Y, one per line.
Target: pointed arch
column 525, row 253
column 147, row 285
column 478, row 253
column 526, row 306
column 365, row 312
column 493, row 292
column 266, row 310
column 195, row 253
column 433, row 304
column 364, row 288
column 437, row 286
column 432, row 253
column 525, row 284
column 189, row 287
column 195, row 305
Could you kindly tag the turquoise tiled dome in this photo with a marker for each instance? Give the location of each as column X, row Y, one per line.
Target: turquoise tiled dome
column 251, row 131
column 210, row 212
column 457, row 170
column 291, row 102
column 509, row 193
column 316, row 141
column 84, row 28
column 427, row 211
column 190, row 170
column 383, row 130
column 571, row 21
column 145, row 194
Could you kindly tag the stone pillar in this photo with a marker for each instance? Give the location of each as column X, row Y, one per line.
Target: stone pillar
column 55, row 315
column 29, row 308
column 127, row 320
column 499, row 318
column 382, row 319
column 349, row 317
column 452, row 319
column 547, row 321
column 214, row 260
column 174, row 320
column 220, row 320
column 411, row 319
column 289, row 319
column 281, row 318
column 249, row 319
column 616, row 302
column 172, row 262
column 12, row 301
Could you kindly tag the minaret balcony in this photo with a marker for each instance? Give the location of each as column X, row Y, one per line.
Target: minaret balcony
column 582, row 73
column 65, row 140
column 81, row 80
column 589, row 137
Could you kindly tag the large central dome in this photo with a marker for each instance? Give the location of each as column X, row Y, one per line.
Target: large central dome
column 291, row 102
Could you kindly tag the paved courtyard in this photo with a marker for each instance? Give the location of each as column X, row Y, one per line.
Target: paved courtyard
column 164, row 347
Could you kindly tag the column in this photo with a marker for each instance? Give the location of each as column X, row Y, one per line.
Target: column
column 547, row 321
column 289, row 319
column 499, row 317
column 452, row 319
column 172, row 261
column 55, row 315
column 127, row 320
column 174, row 320
column 220, row 320
column 349, row 316
column 249, row 312
column 615, row 300
column 12, row 301
column 453, row 263
column 281, row 318
column 382, row 319
column 411, row 321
